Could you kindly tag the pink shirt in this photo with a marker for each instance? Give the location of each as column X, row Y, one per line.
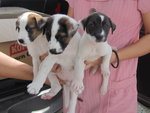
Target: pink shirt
column 122, row 95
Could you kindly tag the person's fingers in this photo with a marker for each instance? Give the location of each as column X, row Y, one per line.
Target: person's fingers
column 43, row 56
column 62, row 82
column 90, row 64
column 56, row 68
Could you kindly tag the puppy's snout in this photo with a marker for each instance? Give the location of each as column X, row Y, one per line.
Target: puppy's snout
column 53, row 51
column 21, row 41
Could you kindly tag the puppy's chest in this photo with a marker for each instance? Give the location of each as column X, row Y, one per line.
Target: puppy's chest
column 95, row 53
column 66, row 62
column 67, row 59
column 38, row 47
column 67, row 65
column 91, row 52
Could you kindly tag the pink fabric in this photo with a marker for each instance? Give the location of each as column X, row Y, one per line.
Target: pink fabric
column 122, row 94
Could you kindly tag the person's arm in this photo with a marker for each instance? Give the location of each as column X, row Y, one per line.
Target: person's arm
column 12, row 68
column 70, row 12
column 139, row 48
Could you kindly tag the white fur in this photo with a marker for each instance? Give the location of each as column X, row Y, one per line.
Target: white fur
column 86, row 49
column 66, row 60
column 53, row 43
column 91, row 50
column 102, row 17
column 36, row 48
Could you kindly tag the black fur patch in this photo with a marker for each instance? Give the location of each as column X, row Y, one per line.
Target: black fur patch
column 94, row 26
column 48, row 28
column 31, row 31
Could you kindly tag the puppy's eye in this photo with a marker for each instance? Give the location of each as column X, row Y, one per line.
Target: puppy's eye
column 104, row 23
column 28, row 29
column 91, row 25
column 17, row 28
column 63, row 34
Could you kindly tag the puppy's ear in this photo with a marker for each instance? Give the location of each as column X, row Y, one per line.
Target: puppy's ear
column 92, row 10
column 40, row 22
column 74, row 29
column 17, row 24
column 112, row 25
column 83, row 23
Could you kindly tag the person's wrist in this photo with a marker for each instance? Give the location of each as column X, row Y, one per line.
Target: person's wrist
column 113, row 58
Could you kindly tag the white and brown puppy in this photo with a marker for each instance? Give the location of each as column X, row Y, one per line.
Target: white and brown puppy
column 63, row 43
column 92, row 46
column 31, row 34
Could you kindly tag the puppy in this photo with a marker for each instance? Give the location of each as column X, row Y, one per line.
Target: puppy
column 92, row 46
column 63, row 43
column 31, row 34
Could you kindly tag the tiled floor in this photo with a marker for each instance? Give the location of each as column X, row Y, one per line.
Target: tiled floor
column 141, row 109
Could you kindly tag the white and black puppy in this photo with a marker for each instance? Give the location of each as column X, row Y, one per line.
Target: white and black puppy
column 92, row 46
column 63, row 43
column 31, row 34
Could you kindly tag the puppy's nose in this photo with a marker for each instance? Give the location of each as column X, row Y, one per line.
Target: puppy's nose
column 53, row 51
column 21, row 41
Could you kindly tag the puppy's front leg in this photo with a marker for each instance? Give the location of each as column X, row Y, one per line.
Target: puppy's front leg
column 44, row 69
column 77, row 82
column 55, row 86
column 36, row 62
column 105, row 73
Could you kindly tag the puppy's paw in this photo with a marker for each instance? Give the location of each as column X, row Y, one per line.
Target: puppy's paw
column 77, row 86
column 46, row 96
column 69, row 112
column 33, row 88
column 51, row 93
column 103, row 90
column 105, row 71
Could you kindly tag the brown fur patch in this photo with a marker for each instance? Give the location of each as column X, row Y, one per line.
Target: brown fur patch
column 33, row 23
column 66, row 22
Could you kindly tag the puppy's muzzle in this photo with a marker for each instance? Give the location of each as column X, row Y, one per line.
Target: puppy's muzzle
column 53, row 51
column 21, row 41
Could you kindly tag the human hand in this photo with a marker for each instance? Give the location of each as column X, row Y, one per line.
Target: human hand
column 91, row 64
